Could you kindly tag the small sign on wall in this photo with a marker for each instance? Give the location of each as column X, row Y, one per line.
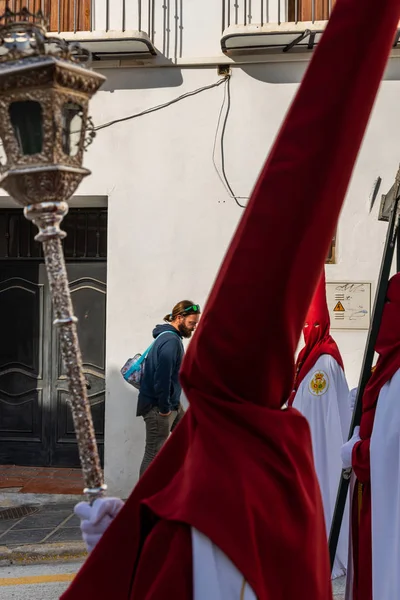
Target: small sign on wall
column 349, row 305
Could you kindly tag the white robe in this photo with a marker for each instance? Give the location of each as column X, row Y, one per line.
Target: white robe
column 350, row 569
column 323, row 398
column 385, row 493
column 214, row 575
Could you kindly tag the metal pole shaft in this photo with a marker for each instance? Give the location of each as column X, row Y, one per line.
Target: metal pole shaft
column 47, row 217
column 380, row 297
column 398, row 251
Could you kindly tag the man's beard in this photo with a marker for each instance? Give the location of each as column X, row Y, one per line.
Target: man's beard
column 185, row 331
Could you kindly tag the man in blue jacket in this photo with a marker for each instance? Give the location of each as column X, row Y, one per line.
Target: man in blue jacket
column 160, row 390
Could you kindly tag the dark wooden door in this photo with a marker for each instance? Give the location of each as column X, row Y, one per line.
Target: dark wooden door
column 88, row 290
column 35, row 419
column 24, row 365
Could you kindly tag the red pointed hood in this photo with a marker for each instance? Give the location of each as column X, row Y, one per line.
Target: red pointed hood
column 317, row 337
column 238, row 465
column 317, row 325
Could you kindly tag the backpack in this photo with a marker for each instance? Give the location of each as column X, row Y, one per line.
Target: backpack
column 133, row 369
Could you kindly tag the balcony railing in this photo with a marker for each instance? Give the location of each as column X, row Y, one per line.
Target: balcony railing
column 177, row 28
column 105, row 15
column 264, row 12
column 148, row 15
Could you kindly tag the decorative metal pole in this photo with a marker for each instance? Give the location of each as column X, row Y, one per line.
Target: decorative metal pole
column 389, row 211
column 44, row 95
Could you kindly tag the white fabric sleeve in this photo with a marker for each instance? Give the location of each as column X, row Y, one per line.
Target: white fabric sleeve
column 215, row 577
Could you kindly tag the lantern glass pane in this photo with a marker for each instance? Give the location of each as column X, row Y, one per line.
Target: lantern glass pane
column 27, row 121
column 3, row 155
column 72, row 117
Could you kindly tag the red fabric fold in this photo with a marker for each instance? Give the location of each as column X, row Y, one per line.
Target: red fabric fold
column 165, row 566
column 317, row 337
column 237, row 465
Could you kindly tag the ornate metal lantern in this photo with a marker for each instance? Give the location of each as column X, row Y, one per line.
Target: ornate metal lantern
column 45, row 87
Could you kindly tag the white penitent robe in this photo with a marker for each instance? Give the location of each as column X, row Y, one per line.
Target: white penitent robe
column 350, row 570
column 214, row 575
column 385, row 493
column 323, row 398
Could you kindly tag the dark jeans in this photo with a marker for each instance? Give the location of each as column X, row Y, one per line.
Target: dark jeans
column 158, row 429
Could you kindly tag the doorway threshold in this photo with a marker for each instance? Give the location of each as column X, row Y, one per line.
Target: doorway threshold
column 40, row 480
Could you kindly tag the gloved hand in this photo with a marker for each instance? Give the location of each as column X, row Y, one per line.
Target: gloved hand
column 96, row 518
column 352, row 398
column 347, row 448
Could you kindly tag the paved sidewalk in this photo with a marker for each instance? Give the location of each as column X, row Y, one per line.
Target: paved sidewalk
column 339, row 588
column 38, row 525
column 39, row 532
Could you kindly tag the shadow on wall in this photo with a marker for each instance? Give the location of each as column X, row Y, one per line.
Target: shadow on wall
column 141, row 78
column 279, row 72
column 293, row 71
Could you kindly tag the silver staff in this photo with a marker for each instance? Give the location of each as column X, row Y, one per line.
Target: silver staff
column 45, row 87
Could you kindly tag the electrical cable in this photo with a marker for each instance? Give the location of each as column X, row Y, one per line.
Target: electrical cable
column 226, row 105
column 161, row 106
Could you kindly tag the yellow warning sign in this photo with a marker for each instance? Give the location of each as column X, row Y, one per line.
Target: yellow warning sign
column 339, row 307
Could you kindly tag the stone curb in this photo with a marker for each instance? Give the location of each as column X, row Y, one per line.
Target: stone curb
column 42, row 553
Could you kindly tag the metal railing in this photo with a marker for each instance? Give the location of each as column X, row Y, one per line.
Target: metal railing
column 263, row 12
column 163, row 19
column 104, row 15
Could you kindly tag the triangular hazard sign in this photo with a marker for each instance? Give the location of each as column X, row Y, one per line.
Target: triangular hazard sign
column 339, row 307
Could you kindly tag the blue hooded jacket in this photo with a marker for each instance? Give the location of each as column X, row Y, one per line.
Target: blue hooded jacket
column 160, row 385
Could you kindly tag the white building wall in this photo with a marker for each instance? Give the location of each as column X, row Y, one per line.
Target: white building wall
column 171, row 219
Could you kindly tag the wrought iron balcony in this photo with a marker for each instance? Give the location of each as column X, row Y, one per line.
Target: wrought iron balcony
column 180, row 29
column 264, row 12
column 106, row 27
column 90, row 15
column 81, row 15
column 251, row 25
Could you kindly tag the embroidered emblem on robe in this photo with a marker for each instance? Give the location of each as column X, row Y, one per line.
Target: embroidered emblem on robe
column 319, row 383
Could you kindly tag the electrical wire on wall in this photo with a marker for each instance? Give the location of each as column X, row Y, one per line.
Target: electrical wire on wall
column 161, row 106
column 221, row 129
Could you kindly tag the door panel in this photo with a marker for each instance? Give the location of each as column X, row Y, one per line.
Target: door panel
column 24, row 401
column 88, row 291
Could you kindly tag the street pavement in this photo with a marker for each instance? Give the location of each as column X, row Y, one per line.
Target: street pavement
column 36, row 582
column 41, row 524
column 49, row 581
column 339, row 588
column 32, row 531
column 46, row 532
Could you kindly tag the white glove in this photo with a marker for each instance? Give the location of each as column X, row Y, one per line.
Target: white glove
column 347, row 449
column 352, row 398
column 96, row 518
